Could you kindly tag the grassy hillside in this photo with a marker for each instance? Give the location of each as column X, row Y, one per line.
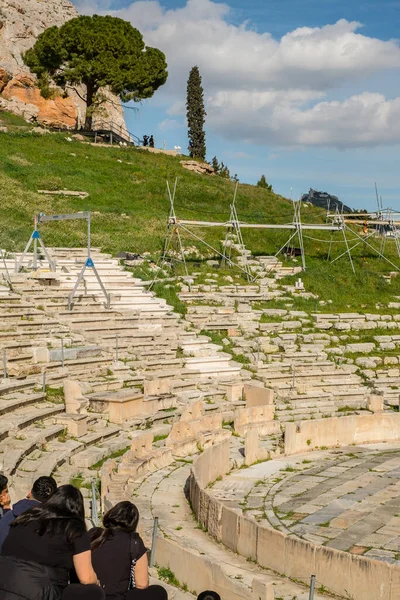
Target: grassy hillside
column 127, row 186
column 129, row 204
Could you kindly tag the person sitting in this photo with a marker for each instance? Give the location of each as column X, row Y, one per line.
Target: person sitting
column 5, row 500
column 43, row 545
column 42, row 489
column 208, row 595
column 119, row 556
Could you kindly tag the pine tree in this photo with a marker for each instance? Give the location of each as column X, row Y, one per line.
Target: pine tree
column 215, row 165
column 97, row 52
column 262, row 183
column 196, row 115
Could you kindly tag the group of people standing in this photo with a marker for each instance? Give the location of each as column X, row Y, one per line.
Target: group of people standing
column 148, row 141
column 46, row 552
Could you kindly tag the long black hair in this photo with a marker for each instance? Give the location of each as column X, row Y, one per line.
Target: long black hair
column 62, row 513
column 124, row 516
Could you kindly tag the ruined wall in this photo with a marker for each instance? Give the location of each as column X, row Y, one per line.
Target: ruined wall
column 342, row 573
column 341, row 431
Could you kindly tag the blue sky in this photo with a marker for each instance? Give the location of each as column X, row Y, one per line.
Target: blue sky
column 305, row 91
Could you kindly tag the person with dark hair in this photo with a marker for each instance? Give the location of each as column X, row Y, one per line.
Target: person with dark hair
column 5, row 500
column 145, row 140
column 42, row 489
column 120, row 558
column 151, row 141
column 44, row 544
column 209, row 595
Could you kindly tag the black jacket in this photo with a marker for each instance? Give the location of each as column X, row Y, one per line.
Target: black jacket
column 8, row 517
column 26, row 580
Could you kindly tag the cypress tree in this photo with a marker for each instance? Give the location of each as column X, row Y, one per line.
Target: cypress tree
column 196, row 115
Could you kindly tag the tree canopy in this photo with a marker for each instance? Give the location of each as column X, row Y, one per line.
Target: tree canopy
column 196, row 115
column 262, row 183
column 98, row 51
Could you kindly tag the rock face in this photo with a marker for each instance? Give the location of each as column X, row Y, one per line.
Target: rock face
column 198, row 167
column 21, row 21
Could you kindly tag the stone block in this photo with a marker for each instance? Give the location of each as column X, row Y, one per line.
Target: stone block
column 121, row 405
column 333, row 570
column 247, row 538
column 142, row 445
column 369, row 579
column 40, row 355
column 271, row 549
column 299, row 559
column 234, row 391
column 229, row 530
column 375, row 403
column 362, row 348
column 251, row 447
column 76, row 424
column 257, row 395
column 75, row 402
column 262, row 590
column 214, row 524
column 157, row 387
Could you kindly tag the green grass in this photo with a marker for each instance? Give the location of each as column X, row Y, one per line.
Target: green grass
column 101, row 462
column 77, row 481
column 55, row 395
column 159, row 438
column 129, row 204
column 134, row 187
column 167, row 575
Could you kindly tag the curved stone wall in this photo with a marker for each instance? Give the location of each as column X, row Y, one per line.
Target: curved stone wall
column 341, row 431
column 345, row 574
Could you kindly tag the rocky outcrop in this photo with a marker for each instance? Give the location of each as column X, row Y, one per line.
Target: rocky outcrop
column 21, row 22
column 198, row 167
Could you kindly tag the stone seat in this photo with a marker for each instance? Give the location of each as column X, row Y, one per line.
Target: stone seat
column 18, row 449
column 26, row 416
column 12, row 404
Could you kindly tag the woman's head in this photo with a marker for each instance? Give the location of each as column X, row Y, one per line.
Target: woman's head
column 123, row 515
column 62, row 513
column 67, row 501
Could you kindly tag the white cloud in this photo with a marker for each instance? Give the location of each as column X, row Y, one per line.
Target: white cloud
column 263, row 90
column 168, row 124
column 238, row 155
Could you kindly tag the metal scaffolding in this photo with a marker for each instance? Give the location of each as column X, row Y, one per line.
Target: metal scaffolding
column 36, row 239
column 234, row 227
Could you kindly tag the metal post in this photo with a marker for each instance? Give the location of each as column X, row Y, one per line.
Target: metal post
column 35, row 245
column 153, row 541
column 94, row 515
column 62, row 352
column 88, row 238
column 312, row 587
column 44, row 382
column 5, row 363
column 293, row 378
column 116, row 348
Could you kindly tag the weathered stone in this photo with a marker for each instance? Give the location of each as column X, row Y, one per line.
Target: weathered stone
column 23, row 22
column 362, row 348
column 198, row 167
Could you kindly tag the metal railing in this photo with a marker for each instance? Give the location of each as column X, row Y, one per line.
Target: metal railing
column 110, row 127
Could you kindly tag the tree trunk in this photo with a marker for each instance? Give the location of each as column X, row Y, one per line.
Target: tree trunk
column 90, row 94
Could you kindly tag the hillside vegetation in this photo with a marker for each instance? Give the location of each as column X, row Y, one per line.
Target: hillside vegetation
column 129, row 204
